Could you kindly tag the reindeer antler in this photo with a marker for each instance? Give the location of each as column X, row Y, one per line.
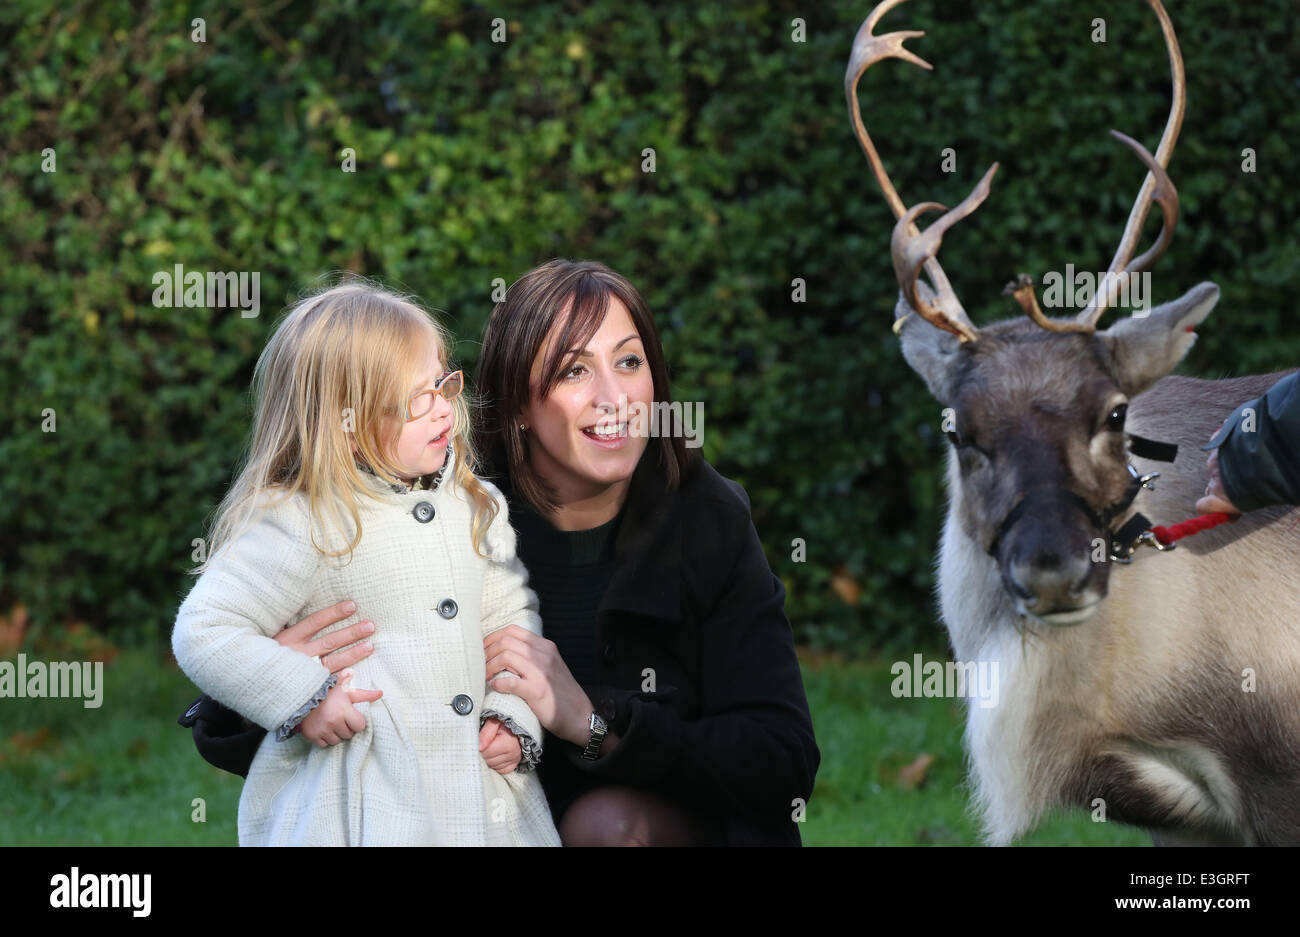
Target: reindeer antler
column 911, row 249
column 1156, row 187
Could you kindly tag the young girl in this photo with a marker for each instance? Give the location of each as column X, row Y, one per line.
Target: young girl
column 358, row 485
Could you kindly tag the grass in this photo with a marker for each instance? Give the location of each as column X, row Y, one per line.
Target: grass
column 127, row 774
column 123, row 774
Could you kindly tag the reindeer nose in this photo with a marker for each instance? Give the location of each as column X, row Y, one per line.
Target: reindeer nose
column 1049, row 568
column 1044, row 553
column 1050, row 578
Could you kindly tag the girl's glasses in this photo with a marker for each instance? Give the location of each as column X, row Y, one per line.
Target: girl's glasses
column 421, row 403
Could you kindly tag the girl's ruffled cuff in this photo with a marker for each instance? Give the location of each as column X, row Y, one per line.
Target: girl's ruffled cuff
column 290, row 724
column 532, row 749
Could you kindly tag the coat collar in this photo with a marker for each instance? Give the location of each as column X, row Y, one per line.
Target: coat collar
column 648, row 547
column 427, row 484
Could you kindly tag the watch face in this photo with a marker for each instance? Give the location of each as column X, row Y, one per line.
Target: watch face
column 598, row 723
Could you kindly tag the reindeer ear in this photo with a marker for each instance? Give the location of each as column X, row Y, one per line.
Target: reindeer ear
column 930, row 352
column 1144, row 348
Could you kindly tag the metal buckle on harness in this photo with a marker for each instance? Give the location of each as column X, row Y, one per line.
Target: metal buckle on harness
column 1122, row 552
column 1147, row 480
column 1149, row 538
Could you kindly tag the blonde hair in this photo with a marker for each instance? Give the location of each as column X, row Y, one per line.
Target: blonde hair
column 336, row 374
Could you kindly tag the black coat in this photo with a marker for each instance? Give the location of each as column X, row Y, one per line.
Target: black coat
column 1262, row 467
column 726, row 731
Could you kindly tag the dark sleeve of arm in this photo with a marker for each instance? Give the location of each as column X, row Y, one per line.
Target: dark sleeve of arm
column 224, row 738
column 752, row 752
column 1259, row 454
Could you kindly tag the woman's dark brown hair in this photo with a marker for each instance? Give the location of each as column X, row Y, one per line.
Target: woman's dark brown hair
column 515, row 335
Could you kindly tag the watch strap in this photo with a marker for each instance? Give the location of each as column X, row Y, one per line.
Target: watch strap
column 599, row 729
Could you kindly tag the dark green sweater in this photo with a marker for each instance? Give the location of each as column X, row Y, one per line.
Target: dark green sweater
column 570, row 571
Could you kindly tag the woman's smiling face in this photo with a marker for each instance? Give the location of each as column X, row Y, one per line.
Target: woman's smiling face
column 565, row 447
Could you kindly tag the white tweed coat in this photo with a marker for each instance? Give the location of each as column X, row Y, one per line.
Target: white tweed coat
column 414, row 775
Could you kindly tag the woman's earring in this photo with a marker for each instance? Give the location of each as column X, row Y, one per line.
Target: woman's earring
column 522, row 427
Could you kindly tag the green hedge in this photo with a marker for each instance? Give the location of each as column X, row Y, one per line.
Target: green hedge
column 477, row 160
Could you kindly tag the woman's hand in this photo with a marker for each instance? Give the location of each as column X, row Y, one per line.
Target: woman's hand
column 336, row 719
column 543, row 682
column 501, row 750
column 1216, row 498
column 302, row 637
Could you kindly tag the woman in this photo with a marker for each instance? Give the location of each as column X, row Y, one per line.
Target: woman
column 667, row 682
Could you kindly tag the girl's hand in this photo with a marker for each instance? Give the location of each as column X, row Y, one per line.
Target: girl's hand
column 336, row 719
column 544, row 681
column 302, row 637
column 501, row 750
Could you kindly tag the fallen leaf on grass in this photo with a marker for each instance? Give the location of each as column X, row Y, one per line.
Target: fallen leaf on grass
column 845, row 586
column 912, row 776
column 12, row 630
column 28, row 742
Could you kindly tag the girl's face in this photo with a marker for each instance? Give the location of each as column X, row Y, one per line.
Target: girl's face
column 564, row 447
column 421, row 447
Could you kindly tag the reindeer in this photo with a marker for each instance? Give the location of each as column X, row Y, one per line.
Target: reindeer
column 1160, row 689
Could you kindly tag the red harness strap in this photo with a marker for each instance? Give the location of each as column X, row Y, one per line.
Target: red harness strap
column 1167, row 535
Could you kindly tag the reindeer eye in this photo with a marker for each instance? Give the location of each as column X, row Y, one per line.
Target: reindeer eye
column 1115, row 422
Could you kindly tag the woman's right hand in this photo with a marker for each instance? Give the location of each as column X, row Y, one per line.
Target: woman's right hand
column 539, row 676
column 303, row 637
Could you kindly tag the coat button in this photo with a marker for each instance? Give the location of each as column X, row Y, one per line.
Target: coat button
column 462, row 704
column 608, row 654
column 447, row 608
column 423, row 512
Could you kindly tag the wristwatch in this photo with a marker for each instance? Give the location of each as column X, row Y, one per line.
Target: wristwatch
column 598, row 730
